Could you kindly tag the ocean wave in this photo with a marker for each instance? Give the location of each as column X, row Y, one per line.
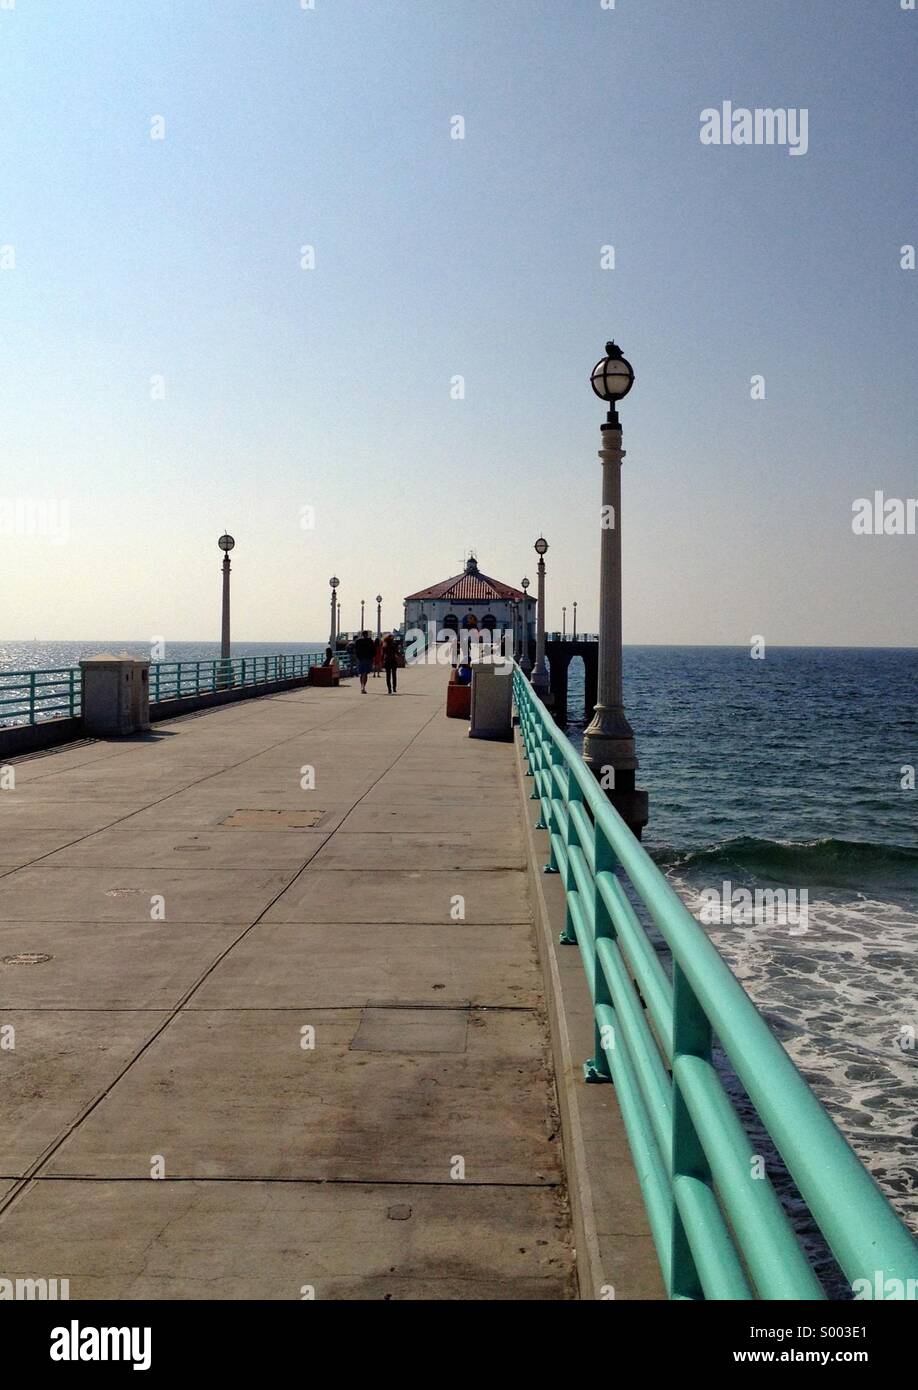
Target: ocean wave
column 826, row 863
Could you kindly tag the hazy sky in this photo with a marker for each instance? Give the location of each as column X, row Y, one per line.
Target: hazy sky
column 129, row 258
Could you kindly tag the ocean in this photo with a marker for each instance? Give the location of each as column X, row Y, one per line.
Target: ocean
column 788, row 772
column 792, row 772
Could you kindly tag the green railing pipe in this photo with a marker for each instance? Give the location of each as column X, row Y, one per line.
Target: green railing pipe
column 698, row 1143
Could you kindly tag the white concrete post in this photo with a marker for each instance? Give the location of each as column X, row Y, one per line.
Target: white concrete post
column 608, row 740
column 540, row 681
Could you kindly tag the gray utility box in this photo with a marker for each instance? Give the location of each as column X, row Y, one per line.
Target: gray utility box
column 492, row 690
column 140, row 696
column 115, row 697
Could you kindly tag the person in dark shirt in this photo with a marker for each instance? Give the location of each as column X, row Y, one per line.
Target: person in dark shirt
column 391, row 651
column 364, row 648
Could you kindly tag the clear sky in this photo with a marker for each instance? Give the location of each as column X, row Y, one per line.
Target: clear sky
column 287, row 388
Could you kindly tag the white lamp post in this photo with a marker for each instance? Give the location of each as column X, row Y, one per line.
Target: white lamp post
column 540, row 680
column 608, row 740
column 525, row 659
column 226, row 544
column 333, row 630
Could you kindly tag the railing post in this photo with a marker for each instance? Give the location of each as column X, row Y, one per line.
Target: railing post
column 597, row 1069
column 32, row 698
column 692, row 1037
column 72, row 693
column 546, row 770
column 535, row 761
column 569, row 935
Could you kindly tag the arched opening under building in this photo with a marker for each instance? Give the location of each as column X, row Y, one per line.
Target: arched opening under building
column 576, row 692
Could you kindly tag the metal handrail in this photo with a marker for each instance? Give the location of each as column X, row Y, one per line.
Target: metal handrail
column 719, row 1228
column 30, row 697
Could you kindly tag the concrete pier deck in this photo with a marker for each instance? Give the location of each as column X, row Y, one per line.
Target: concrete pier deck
column 275, row 1039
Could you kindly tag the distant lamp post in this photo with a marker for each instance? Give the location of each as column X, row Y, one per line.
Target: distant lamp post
column 540, row 680
column 226, row 544
column 379, row 615
column 362, row 603
column 525, row 659
column 608, row 740
column 333, row 630
column 574, row 630
column 563, row 624
column 512, row 606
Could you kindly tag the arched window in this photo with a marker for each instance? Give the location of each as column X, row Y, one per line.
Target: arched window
column 451, row 621
column 489, row 621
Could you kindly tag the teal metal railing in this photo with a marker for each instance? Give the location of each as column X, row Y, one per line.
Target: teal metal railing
column 30, row 697
column 174, row 680
column 720, row 1230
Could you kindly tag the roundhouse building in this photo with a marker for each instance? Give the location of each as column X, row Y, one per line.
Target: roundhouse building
column 470, row 599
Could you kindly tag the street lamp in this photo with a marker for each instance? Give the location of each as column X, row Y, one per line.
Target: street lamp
column 563, row 624
column 379, row 615
column 226, row 544
column 525, row 659
column 540, row 680
column 608, row 740
column 362, row 602
column 333, row 631
column 574, row 632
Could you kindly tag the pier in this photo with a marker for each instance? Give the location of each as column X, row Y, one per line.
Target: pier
column 280, row 1027
column 308, row 995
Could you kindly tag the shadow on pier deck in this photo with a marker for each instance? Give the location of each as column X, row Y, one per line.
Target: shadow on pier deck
column 302, row 1051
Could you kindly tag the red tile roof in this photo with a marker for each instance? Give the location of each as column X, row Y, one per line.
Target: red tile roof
column 471, row 586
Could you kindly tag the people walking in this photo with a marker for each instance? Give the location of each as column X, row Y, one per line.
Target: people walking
column 391, row 653
column 364, row 647
column 377, row 656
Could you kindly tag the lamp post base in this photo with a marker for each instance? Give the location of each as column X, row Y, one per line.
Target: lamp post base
column 541, row 684
column 633, row 807
column 608, row 751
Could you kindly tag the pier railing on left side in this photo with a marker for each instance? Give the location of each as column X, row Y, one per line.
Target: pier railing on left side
column 33, row 697
column 720, row 1230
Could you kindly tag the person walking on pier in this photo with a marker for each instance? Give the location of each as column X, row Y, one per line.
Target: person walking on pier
column 364, row 648
column 391, row 651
